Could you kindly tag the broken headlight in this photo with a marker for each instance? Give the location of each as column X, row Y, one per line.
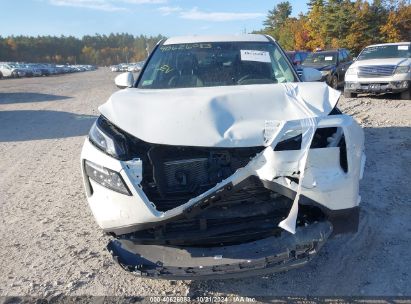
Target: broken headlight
column 107, row 138
column 106, row 177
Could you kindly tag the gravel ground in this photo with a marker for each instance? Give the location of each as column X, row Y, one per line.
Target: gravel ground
column 51, row 245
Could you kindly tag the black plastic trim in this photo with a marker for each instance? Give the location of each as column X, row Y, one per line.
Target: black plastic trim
column 268, row 255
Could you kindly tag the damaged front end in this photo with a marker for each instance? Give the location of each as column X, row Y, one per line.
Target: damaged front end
column 221, row 209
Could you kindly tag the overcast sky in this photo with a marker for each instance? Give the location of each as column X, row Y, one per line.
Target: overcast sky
column 149, row 17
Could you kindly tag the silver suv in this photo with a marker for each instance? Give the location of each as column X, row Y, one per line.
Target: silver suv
column 381, row 68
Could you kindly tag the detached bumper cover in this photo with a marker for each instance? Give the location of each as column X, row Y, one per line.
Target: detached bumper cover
column 272, row 254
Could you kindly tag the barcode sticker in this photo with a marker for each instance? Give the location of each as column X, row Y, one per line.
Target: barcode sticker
column 252, row 55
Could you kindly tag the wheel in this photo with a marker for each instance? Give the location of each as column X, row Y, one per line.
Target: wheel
column 348, row 94
column 334, row 82
column 406, row 94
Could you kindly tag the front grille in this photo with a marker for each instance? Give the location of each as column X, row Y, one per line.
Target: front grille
column 372, row 71
column 181, row 173
column 174, row 175
column 249, row 213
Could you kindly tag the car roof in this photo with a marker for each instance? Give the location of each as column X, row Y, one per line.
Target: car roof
column 216, row 38
column 327, row 51
column 393, row 43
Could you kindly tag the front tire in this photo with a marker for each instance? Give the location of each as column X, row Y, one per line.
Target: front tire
column 406, row 95
column 334, row 82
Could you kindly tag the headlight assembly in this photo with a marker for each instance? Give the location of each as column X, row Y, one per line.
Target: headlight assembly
column 325, row 73
column 107, row 138
column 352, row 71
column 106, row 177
column 402, row 69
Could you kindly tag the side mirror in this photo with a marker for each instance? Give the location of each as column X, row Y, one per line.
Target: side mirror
column 124, row 80
column 310, row 74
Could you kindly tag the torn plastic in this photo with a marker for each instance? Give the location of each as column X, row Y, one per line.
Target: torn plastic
column 308, row 126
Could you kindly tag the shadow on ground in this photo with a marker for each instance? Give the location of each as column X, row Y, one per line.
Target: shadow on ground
column 393, row 96
column 372, row 262
column 27, row 125
column 23, row 97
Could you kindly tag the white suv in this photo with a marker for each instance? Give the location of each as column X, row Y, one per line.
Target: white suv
column 219, row 162
column 381, row 68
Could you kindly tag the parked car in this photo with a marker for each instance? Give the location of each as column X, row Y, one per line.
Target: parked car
column 11, row 70
column 115, row 68
column 297, row 57
column 332, row 64
column 196, row 168
column 381, row 68
column 34, row 68
column 24, row 67
column 132, row 68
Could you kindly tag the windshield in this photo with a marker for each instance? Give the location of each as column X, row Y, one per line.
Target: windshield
column 215, row 64
column 321, row 59
column 385, row 51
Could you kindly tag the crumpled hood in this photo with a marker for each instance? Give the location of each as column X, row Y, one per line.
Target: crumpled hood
column 230, row 116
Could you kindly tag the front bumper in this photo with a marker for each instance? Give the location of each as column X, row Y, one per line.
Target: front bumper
column 164, row 244
column 377, row 86
column 272, row 254
column 18, row 73
column 326, row 183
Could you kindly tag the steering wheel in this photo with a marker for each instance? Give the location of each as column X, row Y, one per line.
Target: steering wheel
column 245, row 77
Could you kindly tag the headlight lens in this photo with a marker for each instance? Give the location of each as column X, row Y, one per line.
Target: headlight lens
column 352, row 71
column 402, row 69
column 107, row 138
column 100, row 139
column 106, row 177
column 325, row 73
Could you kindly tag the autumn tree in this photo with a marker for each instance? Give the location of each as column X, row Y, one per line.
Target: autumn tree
column 398, row 25
column 315, row 25
column 276, row 19
column 357, row 37
column 93, row 49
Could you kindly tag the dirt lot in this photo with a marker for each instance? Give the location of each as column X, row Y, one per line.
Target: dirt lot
column 52, row 246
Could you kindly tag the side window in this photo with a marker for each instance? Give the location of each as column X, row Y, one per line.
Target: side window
column 281, row 68
column 341, row 58
column 303, row 56
column 297, row 58
column 349, row 57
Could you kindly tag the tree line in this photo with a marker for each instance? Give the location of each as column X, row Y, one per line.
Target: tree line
column 340, row 23
column 96, row 49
